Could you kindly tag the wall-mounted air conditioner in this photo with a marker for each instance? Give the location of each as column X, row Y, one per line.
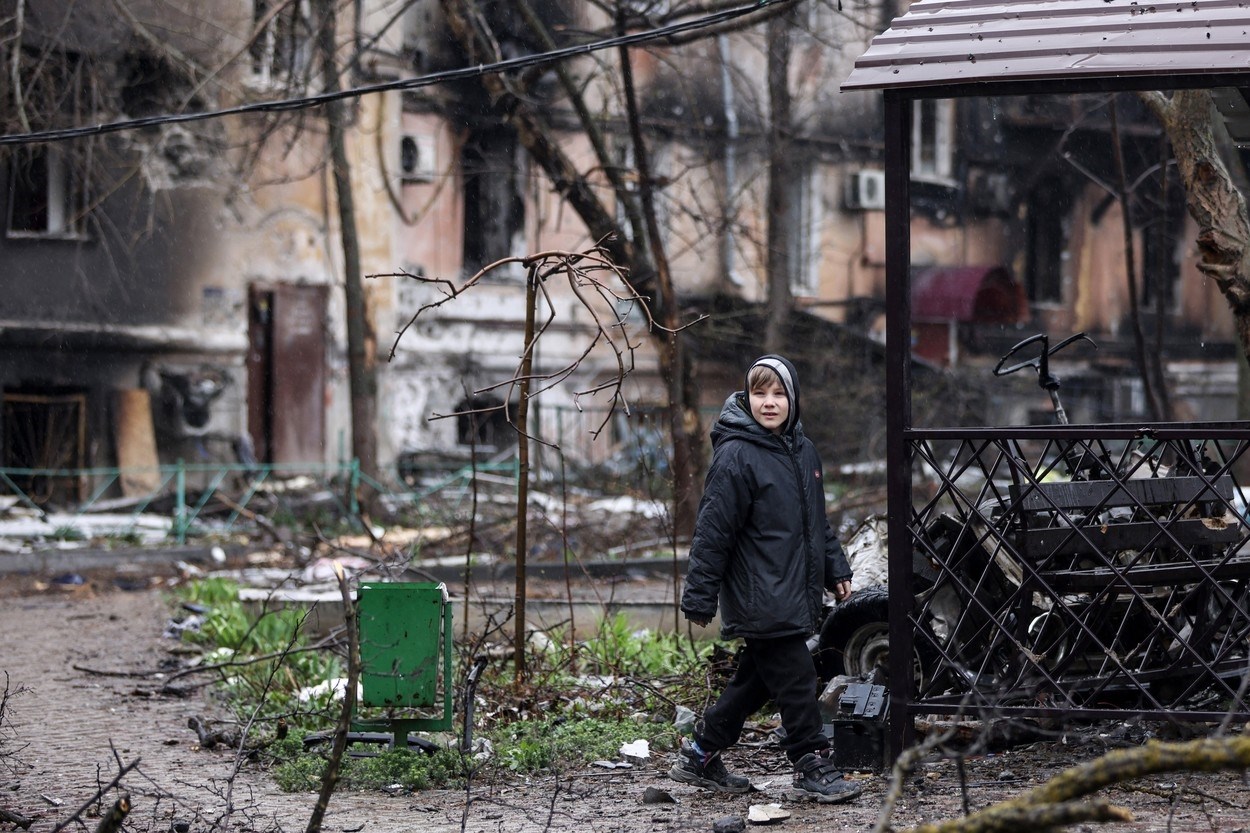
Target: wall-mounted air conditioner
column 865, row 189
column 417, row 157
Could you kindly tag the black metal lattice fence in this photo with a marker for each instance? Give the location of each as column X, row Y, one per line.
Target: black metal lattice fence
column 1077, row 571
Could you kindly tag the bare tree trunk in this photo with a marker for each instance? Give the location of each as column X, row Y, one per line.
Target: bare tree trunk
column 781, row 174
column 523, row 470
column 540, row 142
column 361, row 340
column 338, row 748
column 1213, row 199
column 683, row 412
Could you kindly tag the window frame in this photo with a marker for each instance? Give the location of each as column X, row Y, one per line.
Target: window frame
column 64, row 194
column 808, row 209
column 933, row 140
column 264, row 51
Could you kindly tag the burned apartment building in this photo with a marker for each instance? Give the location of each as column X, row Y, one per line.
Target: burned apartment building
column 1016, row 226
column 176, row 288
column 172, row 291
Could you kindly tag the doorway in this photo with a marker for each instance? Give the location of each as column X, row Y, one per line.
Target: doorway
column 286, row 372
column 45, row 431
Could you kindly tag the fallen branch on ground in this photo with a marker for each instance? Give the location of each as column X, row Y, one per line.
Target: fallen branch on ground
column 112, row 821
column 1052, row 804
column 14, row 818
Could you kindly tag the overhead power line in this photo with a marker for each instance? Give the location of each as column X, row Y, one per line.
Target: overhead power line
column 308, row 101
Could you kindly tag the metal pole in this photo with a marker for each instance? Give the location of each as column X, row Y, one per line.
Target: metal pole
column 180, row 503
column 898, row 409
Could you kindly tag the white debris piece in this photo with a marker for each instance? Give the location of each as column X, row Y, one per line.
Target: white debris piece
column 636, row 751
column 767, row 814
column 335, row 688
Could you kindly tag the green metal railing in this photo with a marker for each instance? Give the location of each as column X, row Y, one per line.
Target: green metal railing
column 191, row 487
column 187, row 491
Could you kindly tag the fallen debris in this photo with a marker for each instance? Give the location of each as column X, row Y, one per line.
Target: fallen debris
column 636, row 752
column 767, row 814
column 13, row 818
column 655, row 795
column 211, row 737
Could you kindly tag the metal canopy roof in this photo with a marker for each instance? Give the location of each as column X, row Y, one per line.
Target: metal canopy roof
column 954, row 42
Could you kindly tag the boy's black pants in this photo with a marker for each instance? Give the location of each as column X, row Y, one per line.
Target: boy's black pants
column 781, row 670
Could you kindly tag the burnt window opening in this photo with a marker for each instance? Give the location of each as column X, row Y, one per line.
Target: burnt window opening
column 282, row 46
column 494, row 212
column 482, row 422
column 1048, row 206
column 44, row 430
column 151, row 86
column 46, row 194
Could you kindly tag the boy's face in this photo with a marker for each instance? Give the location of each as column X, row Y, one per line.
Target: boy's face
column 770, row 406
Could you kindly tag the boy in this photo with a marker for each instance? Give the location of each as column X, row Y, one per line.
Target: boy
column 764, row 550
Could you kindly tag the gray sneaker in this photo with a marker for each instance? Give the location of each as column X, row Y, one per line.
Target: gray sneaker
column 706, row 771
column 817, row 779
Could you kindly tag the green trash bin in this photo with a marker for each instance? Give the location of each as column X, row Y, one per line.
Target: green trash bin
column 405, row 656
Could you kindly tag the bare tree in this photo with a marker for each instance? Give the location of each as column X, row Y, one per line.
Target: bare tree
column 598, row 286
column 361, row 342
column 781, row 172
column 633, row 240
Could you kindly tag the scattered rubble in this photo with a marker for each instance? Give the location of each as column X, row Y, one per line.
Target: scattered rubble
column 767, row 814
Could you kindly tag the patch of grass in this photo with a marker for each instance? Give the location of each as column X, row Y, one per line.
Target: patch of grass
column 68, row 532
column 125, row 539
column 235, row 638
column 523, row 748
column 296, row 769
column 533, row 746
column 209, row 591
column 620, row 649
column 581, row 702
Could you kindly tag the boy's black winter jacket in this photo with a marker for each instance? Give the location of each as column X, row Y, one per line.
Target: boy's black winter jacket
column 762, row 544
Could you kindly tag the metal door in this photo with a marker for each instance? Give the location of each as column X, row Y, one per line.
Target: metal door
column 286, row 372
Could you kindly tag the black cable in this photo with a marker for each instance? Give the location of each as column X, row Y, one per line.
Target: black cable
column 282, row 105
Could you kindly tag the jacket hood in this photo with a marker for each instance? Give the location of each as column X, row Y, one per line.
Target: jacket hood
column 789, row 379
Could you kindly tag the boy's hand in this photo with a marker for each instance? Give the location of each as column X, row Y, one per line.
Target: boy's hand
column 842, row 590
column 703, row 623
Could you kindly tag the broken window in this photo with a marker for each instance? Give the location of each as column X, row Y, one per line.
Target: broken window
column 45, row 434
column 45, row 194
column 482, row 422
column 52, row 89
column 282, row 42
column 494, row 213
column 932, row 155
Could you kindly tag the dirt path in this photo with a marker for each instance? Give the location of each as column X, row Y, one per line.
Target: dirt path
column 79, row 704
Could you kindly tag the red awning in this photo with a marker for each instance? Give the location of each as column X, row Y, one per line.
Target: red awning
column 973, row 294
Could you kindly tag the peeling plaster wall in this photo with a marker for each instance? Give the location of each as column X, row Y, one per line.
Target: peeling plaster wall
column 476, row 343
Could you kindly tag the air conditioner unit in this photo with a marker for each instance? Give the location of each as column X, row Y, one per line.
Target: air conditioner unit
column 865, row 190
column 417, row 157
